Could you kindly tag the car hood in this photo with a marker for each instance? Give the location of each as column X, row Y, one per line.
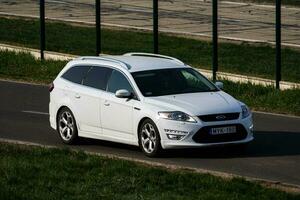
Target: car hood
column 194, row 104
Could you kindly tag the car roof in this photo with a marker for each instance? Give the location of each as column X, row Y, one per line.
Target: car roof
column 134, row 62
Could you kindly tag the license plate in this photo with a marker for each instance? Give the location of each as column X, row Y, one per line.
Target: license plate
column 223, row 130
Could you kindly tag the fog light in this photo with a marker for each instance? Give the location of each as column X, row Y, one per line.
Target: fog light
column 251, row 130
column 175, row 137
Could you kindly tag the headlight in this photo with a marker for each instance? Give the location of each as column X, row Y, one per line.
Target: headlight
column 245, row 111
column 177, row 115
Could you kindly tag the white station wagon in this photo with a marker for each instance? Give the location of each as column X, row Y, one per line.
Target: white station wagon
column 149, row 100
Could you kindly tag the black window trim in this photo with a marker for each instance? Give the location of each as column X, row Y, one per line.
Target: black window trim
column 136, row 97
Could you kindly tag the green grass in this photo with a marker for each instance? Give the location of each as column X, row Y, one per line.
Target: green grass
column 23, row 66
column 38, row 173
column 258, row 60
column 265, row 98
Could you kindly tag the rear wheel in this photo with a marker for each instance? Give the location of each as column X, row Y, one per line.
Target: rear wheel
column 149, row 139
column 66, row 126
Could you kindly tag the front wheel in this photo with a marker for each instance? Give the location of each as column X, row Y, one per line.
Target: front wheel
column 149, row 139
column 66, row 126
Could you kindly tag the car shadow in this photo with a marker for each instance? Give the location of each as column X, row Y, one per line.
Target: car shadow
column 265, row 144
column 106, row 144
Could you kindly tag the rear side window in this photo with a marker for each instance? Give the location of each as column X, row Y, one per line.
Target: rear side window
column 76, row 74
column 118, row 81
column 97, row 77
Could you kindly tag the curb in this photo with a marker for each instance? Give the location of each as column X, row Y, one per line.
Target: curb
column 51, row 55
column 284, row 85
column 237, row 78
column 291, row 188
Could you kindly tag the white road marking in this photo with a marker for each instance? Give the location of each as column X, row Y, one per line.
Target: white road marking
column 60, row 2
column 35, row 112
column 289, row 7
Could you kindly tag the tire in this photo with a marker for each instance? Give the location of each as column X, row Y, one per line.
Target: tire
column 149, row 139
column 66, row 126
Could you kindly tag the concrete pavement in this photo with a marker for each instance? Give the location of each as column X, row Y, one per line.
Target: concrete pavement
column 238, row 21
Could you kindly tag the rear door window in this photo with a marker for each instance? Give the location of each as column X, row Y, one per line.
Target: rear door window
column 76, row 74
column 97, row 77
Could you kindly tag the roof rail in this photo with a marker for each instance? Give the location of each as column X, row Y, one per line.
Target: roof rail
column 121, row 63
column 154, row 55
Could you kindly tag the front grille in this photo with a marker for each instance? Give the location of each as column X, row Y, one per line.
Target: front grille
column 203, row 135
column 219, row 117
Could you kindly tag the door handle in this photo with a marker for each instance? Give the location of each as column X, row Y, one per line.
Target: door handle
column 77, row 96
column 106, row 104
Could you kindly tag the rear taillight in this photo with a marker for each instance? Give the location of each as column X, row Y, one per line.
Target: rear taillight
column 51, row 87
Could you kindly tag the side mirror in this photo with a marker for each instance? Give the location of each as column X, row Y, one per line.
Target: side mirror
column 220, row 85
column 123, row 93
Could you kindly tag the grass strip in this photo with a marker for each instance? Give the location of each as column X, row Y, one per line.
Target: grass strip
column 39, row 173
column 246, row 59
column 23, row 66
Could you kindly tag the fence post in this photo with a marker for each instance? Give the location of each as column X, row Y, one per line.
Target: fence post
column 155, row 26
column 215, row 38
column 278, row 43
column 98, row 27
column 42, row 28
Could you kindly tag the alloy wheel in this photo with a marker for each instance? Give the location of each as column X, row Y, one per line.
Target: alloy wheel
column 148, row 138
column 66, row 125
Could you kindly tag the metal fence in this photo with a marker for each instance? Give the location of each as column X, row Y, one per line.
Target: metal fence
column 159, row 16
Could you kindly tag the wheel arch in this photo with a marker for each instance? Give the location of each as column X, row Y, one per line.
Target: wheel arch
column 58, row 111
column 158, row 147
column 140, row 124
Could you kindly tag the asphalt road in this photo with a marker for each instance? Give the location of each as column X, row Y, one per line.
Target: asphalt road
column 242, row 21
column 274, row 155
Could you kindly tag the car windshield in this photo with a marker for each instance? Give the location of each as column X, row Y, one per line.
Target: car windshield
column 172, row 81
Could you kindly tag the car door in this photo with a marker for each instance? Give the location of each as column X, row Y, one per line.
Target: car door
column 89, row 97
column 117, row 113
column 72, row 87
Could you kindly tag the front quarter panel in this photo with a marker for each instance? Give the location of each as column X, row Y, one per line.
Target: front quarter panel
column 142, row 111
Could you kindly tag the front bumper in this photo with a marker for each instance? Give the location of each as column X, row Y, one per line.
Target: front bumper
column 190, row 129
